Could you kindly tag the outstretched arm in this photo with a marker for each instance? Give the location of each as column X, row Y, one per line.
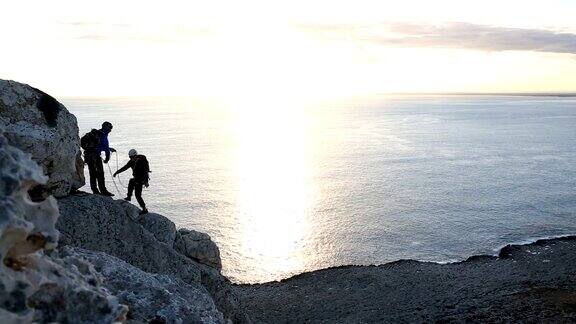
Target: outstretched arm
column 124, row 168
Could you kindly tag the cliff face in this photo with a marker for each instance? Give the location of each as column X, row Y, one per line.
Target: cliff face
column 39, row 125
column 37, row 286
column 102, row 224
column 151, row 295
column 111, row 264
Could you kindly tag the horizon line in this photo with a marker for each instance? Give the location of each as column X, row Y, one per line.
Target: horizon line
column 468, row 93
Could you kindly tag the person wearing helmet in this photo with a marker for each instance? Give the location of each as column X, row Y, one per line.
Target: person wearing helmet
column 94, row 143
column 140, row 177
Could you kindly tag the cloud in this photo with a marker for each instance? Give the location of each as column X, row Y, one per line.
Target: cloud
column 453, row 35
column 99, row 31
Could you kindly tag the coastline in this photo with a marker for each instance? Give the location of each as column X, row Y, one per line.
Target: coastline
column 535, row 281
column 496, row 254
column 533, row 240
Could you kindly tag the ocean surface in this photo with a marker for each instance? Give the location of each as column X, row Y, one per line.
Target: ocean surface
column 283, row 190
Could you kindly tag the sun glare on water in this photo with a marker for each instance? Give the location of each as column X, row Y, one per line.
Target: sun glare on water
column 272, row 189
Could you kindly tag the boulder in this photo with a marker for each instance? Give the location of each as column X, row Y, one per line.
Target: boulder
column 35, row 285
column 198, row 246
column 150, row 295
column 98, row 223
column 162, row 228
column 39, row 125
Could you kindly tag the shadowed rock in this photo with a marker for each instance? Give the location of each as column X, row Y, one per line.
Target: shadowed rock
column 162, row 228
column 98, row 223
column 50, row 107
column 101, row 224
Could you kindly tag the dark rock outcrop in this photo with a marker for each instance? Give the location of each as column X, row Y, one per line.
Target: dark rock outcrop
column 101, row 224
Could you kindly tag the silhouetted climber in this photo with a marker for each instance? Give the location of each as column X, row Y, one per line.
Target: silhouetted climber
column 93, row 143
column 104, row 145
column 140, row 177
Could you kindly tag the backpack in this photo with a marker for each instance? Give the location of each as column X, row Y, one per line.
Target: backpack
column 141, row 167
column 90, row 140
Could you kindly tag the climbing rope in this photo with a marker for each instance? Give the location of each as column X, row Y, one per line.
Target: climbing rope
column 113, row 181
column 112, row 176
column 119, row 177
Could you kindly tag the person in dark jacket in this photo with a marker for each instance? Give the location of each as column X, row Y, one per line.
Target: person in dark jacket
column 140, row 169
column 94, row 143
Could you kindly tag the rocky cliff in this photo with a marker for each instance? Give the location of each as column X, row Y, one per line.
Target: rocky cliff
column 113, row 227
column 38, row 124
column 88, row 258
column 38, row 284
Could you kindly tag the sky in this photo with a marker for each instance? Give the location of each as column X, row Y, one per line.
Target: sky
column 305, row 49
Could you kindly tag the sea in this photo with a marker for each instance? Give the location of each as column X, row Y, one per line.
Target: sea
column 363, row 180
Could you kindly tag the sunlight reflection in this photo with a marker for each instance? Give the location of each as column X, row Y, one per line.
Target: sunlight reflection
column 272, row 190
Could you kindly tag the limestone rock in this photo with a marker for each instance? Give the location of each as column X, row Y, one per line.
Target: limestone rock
column 98, row 223
column 162, row 228
column 102, row 224
column 152, row 295
column 34, row 286
column 38, row 124
column 131, row 211
column 198, row 246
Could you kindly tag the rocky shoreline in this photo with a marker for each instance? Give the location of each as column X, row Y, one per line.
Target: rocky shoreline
column 69, row 256
column 525, row 283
